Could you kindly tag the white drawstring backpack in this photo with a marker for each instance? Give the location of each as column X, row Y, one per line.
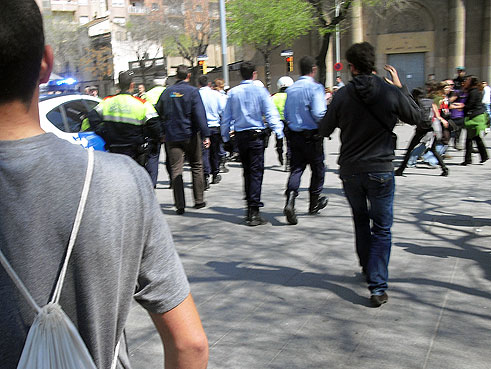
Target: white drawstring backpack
column 53, row 342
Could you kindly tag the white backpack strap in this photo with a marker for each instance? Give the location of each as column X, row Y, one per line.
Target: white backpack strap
column 116, row 354
column 76, row 226
column 17, row 281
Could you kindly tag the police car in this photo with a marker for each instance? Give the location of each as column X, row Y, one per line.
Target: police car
column 63, row 114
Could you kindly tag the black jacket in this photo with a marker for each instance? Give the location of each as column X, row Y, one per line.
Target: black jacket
column 182, row 112
column 366, row 111
column 473, row 105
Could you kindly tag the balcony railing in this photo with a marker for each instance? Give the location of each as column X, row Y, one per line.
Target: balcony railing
column 64, row 5
column 138, row 10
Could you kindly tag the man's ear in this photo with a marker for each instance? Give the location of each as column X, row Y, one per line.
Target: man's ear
column 46, row 64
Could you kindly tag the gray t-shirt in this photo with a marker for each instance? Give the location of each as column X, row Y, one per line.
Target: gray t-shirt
column 124, row 247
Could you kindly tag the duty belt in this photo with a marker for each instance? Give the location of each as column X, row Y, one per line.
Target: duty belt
column 251, row 134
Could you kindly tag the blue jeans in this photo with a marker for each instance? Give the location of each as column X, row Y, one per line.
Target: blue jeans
column 430, row 158
column 371, row 196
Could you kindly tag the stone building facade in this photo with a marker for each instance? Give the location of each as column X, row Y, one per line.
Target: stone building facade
column 427, row 37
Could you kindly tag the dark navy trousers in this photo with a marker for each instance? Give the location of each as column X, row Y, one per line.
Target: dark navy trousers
column 306, row 148
column 212, row 155
column 152, row 165
column 251, row 150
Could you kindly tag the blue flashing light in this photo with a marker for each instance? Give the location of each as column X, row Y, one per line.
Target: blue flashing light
column 66, row 81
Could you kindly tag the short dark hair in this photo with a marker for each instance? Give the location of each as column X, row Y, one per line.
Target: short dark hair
column 247, row 69
column 362, row 57
column 203, row 81
column 21, row 49
column 125, row 79
column 182, row 72
column 307, row 64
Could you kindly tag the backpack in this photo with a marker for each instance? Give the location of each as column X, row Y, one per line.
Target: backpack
column 427, row 114
column 53, row 341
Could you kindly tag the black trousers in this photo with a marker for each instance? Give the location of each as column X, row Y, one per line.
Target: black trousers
column 306, row 148
column 480, row 146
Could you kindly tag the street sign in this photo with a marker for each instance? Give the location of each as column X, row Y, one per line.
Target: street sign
column 202, row 57
column 288, row 52
column 338, row 67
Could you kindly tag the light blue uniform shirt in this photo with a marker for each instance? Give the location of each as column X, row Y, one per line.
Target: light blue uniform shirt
column 305, row 104
column 214, row 103
column 246, row 106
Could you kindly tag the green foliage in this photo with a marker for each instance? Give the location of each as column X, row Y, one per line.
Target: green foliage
column 267, row 24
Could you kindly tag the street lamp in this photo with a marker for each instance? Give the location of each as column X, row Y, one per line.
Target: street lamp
column 223, row 30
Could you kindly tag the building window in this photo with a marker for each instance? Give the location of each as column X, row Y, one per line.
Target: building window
column 155, row 7
column 118, row 2
column 84, row 20
column 83, row 2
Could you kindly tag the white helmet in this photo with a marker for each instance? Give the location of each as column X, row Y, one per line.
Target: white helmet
column 284, row 81
column 258, row 83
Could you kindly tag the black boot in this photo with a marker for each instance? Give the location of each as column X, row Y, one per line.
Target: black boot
column 255, row 217
column 289, row 210
column 317, row 203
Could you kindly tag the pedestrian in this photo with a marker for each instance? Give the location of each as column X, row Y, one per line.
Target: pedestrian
column 214, row 104
column 457, row 102
column 279, row 100
column 304, row 108
column 424, row 128
column 460, row 78
column 186, row 130
column 339, row 82
column 475, row 119
column 486, row 97
column 124, row 248
column 141, row 90
column 128, row 124
column 219, row 85
column 246, row 106
column 152, row 166
column 366, row 111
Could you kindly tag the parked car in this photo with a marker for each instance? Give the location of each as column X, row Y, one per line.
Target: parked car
column 63, row 115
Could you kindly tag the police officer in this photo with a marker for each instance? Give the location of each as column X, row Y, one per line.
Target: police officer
column 214, row 103
column 152, row 96
column 279, row 100
column 305, row 106
column 246, row 106
column 186, row 130
column 128, row 124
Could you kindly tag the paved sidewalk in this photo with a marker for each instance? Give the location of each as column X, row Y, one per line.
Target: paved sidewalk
column 281, row 296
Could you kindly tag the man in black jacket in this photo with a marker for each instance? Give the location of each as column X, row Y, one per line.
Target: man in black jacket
column 366, row 111
column 184, row 116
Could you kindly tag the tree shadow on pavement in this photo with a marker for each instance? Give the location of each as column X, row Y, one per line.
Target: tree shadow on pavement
column 285, row 276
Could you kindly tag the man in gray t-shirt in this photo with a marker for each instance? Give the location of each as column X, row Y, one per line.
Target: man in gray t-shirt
column 124, row 249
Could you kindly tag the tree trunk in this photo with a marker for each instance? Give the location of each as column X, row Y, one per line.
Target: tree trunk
column 267, row 68
column 321, row 59
column 194, row 74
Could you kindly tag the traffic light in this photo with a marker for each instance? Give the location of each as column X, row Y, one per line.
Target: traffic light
column 202, row 66
column 289, row 64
